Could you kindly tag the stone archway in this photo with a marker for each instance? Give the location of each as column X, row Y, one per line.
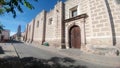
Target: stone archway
column 74, row 37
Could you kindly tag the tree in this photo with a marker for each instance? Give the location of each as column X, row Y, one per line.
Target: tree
column 1, row 28
column 12, row 5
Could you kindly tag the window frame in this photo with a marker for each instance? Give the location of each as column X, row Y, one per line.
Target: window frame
column 50, row 21
column 72, row 10
column 74, row 13
column 37, row 24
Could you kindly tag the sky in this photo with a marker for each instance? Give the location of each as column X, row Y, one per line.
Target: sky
column 23, row 18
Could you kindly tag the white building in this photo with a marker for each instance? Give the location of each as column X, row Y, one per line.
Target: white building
column 78, row 24
column 5, row 35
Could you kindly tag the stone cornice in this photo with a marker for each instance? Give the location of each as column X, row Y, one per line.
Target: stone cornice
column 76, row 18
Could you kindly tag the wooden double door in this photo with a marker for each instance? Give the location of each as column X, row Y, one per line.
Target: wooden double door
column 75, row 37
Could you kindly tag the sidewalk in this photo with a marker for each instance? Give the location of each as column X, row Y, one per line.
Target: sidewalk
column 8, row 49
column 96, row 59
column 79, row 55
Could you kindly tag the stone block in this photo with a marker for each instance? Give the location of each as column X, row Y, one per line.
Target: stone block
column 95, row 22
column 117, row 21
column 96, row 30
column 100, row 34
column 102, row 13
column 103, row 20
column 118, row 29
column 98, row 17
column 108, row 33
column 105, row 29
column 99, row 25
column 97, row 10
column 101, row 41
column 106, row 24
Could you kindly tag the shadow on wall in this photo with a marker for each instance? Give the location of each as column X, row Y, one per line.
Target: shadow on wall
column 1, row 50
column 30, row 62
column 111, row 22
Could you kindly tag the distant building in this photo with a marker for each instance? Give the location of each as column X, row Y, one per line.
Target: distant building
column 18, row 38
column 22, row 36
column 19, row 33
column 5, row 35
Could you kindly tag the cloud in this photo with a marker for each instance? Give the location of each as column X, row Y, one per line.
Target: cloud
column 12, row 33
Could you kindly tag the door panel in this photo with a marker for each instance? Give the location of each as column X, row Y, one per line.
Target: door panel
column 75, row 37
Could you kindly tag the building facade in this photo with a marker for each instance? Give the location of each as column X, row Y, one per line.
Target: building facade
column 77, row 24
column 5, row 35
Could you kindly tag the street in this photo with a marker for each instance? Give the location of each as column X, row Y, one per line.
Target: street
column 25, row 50
column 29, row 51
column 33, row 56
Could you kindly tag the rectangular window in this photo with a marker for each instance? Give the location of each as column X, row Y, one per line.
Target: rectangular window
column 37, row 24
column 74, row 13
column 50, row 21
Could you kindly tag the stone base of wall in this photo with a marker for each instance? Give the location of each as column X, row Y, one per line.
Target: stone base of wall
column 118, row 42
column 29, row 41
column 83, row 47
column 103, row 50
column 102, row 41
column 37, row 42
column 102, row 46
column 54, row 43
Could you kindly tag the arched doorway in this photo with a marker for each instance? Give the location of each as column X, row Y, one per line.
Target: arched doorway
column 74, row 37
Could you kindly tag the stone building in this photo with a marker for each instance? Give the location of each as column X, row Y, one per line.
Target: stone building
column 81, row 24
